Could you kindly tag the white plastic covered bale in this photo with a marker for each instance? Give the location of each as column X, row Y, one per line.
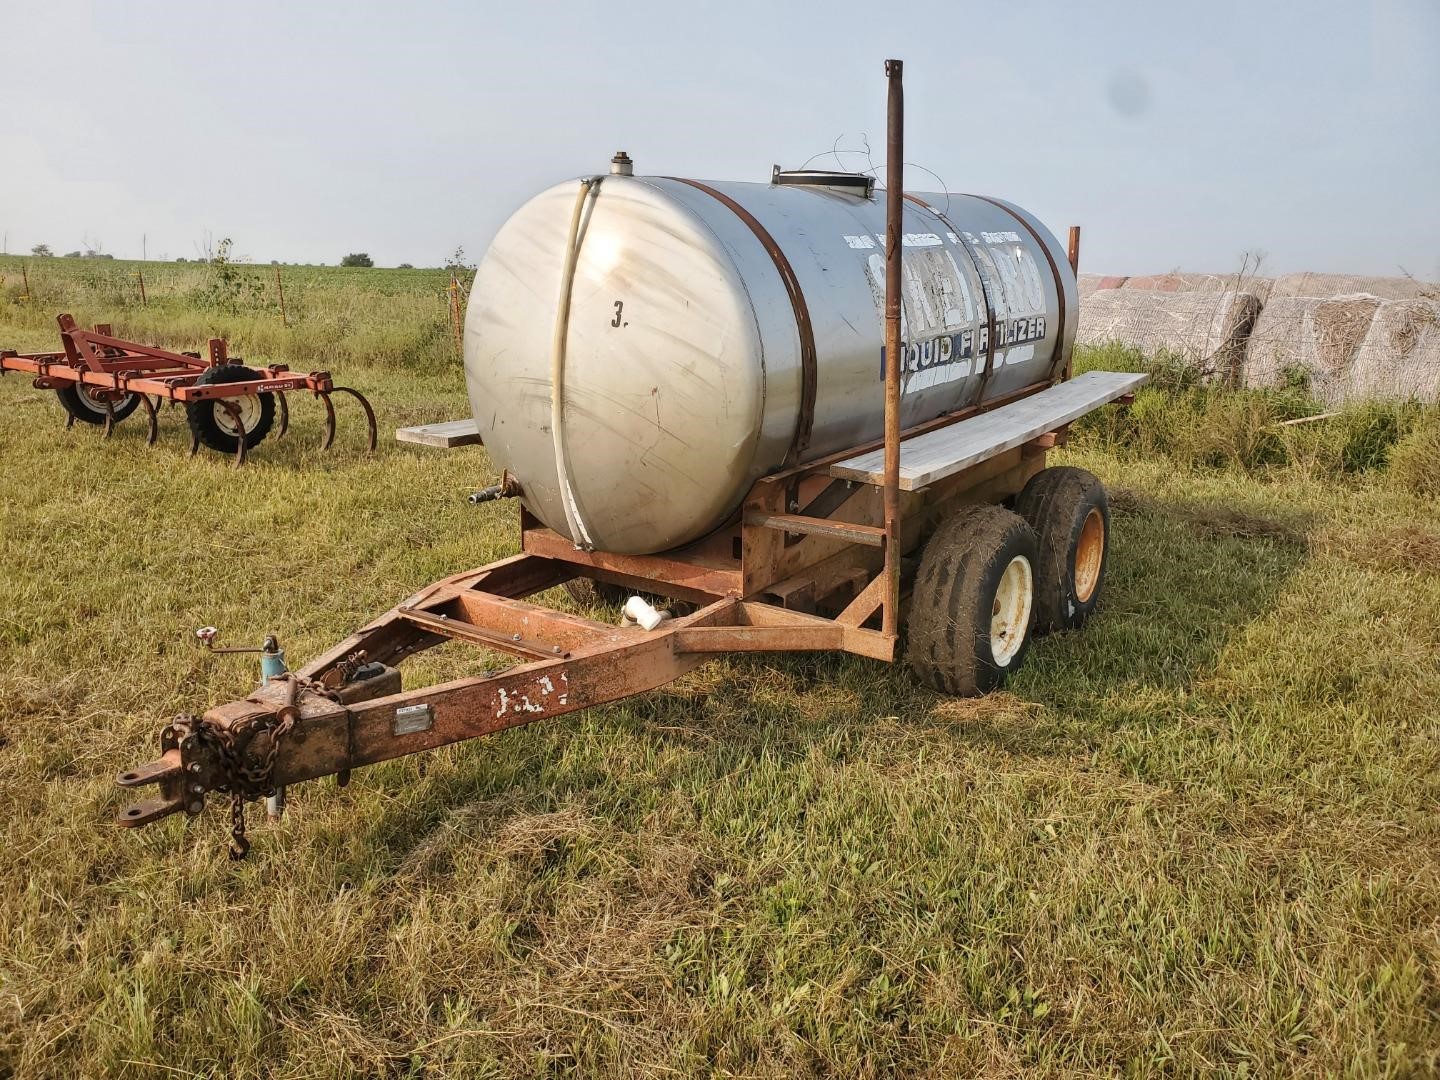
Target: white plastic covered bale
column 1202, row 283
column 1319, row 339
column 1203, row 330
column 1400, row 356
column 1328, row 285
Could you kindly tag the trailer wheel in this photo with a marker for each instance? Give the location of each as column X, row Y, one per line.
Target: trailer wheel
column 212, row 425
column 1068, row 509
column 591, row 593
column 81, row 402
column 973, row 603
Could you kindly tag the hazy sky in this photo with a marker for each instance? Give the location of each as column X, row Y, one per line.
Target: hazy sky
column 1178, row 135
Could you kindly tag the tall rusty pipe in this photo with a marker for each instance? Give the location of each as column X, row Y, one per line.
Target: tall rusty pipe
column 894, row 194
column 1072, row 252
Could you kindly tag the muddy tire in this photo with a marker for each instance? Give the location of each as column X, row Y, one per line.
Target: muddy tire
column 214, row 426
column 79, row 401
column 972, row 606
column 591, row 593
column 1070, row 513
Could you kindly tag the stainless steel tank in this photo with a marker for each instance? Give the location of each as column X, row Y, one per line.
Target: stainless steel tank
column 640, row 349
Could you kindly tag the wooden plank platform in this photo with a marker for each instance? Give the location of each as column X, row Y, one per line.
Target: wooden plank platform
column 451, row 433
column 945, row 451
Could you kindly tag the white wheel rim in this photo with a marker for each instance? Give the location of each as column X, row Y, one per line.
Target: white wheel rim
column 90, row 397
column 1010, row 612
column 249, row 409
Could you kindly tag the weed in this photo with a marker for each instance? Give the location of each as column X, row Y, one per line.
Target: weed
column 1415, row 459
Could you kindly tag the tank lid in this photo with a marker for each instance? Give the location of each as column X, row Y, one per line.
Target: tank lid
column 621, row 165
column 860, row 183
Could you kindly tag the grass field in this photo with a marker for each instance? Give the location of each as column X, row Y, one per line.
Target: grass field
column 1199, row 838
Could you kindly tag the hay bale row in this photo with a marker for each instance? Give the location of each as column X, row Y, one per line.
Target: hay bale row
column 1203, row 330
column 1349, row 337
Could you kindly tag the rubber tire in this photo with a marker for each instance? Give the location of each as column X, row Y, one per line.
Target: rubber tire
column 201, row 414
column 77, row 407
column 591, row 593
column 1056, row 503
column 948, row 631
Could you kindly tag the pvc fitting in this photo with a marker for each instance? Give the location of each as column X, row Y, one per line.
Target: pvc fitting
column 644, row 613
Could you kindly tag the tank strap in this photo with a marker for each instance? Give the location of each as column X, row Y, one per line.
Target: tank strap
column 984, row 295
column 809, row 367
column 579, row 535
column 1057, row 363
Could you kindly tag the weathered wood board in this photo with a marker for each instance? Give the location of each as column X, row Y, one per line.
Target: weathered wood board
column 451, row 433
column 945, row 451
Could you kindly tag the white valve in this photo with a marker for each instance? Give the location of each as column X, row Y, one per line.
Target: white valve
column 644, row 613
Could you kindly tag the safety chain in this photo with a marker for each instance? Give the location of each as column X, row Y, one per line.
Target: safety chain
column 245, row 778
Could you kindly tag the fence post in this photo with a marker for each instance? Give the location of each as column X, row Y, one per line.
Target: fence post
column 280, row 288
column 141, row 279
column 25, row 277
column 456, row 323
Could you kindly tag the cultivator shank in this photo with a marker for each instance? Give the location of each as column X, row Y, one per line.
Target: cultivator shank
column 102, row 379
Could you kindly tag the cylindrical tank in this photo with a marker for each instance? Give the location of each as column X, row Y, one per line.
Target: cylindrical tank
column 702, row 335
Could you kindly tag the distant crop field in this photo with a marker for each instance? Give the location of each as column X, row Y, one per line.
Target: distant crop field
column 333, row 315
column 1198, row 838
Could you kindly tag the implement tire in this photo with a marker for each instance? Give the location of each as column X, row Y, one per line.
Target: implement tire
column 591, row 593
column 1069, row 512
column 214, row 427
column 973, row 603
column 80, row 402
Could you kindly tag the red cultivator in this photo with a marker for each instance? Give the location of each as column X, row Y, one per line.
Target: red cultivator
column 229, row 407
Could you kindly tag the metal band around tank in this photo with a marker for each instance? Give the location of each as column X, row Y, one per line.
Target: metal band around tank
column 809, row 366
column 984, row 295
column 1059, row 358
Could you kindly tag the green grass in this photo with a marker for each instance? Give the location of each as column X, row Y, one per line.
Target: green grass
column 1198, row 838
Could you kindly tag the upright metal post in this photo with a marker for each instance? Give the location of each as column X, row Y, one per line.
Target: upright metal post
column 1074, row 253
column 280, row 291
column 894, row 360
column 457, row 324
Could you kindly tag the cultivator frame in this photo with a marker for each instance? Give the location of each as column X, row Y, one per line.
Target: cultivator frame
column 113, row 371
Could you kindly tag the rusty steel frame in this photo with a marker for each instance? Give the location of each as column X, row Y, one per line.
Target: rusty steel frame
column 766, row 598
column 807, row 563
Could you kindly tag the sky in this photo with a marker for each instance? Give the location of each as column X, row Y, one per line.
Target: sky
column 1180, row 135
